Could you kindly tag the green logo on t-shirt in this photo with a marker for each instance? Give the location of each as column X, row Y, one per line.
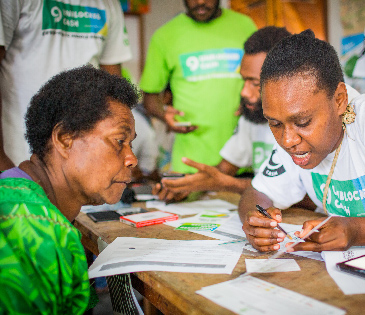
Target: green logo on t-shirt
column 73, row 18
column 208, row 64
column 261, row 151
column 345, row 198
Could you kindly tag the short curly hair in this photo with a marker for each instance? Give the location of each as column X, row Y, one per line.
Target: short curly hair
column 76, row 100
column 264, row 39
column 304, row 54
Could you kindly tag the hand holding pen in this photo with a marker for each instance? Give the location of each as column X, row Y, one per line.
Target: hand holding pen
column 266, row 214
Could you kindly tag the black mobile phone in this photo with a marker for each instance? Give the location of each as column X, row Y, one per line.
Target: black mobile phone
column 102, row 216
column 172, row 175
column 354, row 266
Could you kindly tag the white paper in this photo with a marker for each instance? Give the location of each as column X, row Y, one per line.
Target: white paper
column 146, row 197
column 105, row 207
column 251, row 296
column 129, row 254
column 290, row 229
column 206, row 216
column 229, row 230
column 187, row 208
column 349, row 284
column 273, row 265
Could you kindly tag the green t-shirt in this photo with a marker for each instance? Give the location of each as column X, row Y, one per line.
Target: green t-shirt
column 202, row 63
column 43, row 267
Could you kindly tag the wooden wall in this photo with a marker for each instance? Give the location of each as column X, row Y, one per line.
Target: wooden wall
column 295, row 15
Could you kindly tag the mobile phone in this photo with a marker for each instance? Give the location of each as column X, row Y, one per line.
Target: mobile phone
column 131, row 210
column 182, row 124
column 354, row 266
column 102, row 216
column 172, row 175
column 142, row 189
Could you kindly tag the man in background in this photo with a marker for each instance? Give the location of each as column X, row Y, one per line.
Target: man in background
column 38, row 39
column 252, row 140
column 199, row 53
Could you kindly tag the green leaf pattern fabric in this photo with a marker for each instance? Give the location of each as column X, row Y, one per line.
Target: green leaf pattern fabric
column 43, row 267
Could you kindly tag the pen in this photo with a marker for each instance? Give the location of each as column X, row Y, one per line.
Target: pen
column 315, row 229
column 235, row 241
column 266, row 214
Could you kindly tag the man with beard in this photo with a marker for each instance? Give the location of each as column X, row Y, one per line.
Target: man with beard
column 252, row 140
column 199, row 53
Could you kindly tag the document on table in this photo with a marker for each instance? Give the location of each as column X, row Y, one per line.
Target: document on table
column 228, row 230
column 203, row 220
column 129, row 254
column 187, row 208
column 105, row 207
column 231, row 230
column 273, row 265
column 251, row 296
column 290, row 229
column 349, row 284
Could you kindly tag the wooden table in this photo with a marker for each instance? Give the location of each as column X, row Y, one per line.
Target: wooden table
column 174, row 293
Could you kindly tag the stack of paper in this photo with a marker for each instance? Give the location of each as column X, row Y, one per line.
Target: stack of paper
column 129, row 254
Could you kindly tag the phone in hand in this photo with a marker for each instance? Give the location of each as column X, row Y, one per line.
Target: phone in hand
column 172, row 175
column 182, row 124
column 354, row 266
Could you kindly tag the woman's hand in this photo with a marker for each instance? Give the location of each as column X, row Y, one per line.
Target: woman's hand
column 261, row 231
column 339, row 233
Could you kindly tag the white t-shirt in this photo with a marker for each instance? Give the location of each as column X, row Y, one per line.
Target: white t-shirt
column 41, row 39
column 250, row 145
column 285, row 183
column 145, row 145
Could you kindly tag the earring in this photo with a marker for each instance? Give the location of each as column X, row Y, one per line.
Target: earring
column 348, row 117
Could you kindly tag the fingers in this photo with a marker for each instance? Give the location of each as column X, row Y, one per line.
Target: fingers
column 182, row 129
column 264, row 244
column 261, row 231
column 170, row 110
column 180, row 183
column 168, row 195
column 308, row 226
column 275, row 214
column 211, row 170
column 156, row 189
column 336, row 234
column 316, row 247
column 170, row 114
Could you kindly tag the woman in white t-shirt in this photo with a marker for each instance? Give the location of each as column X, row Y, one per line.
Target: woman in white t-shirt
column 321, row 148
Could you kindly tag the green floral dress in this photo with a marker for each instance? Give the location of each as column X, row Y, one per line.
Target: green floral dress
column 43, row 267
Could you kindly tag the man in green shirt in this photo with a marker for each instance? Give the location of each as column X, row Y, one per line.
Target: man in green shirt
column 199, row 53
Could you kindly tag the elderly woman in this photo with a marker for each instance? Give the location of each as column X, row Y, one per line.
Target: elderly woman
column 80, row 128
column 320, row 133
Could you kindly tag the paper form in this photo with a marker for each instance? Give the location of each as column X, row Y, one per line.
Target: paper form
column 129, row 254
column 105, row 207
column 203, row 220
column 349, row 284
column 232, row 230
column 187, row 208
column 252, row 296
column 290, row 229
column 275, row 265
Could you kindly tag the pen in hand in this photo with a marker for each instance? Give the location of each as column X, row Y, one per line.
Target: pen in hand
column 266, row 214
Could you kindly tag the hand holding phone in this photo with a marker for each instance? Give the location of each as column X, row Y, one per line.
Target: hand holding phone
column 172, row 175
column 182, row 124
